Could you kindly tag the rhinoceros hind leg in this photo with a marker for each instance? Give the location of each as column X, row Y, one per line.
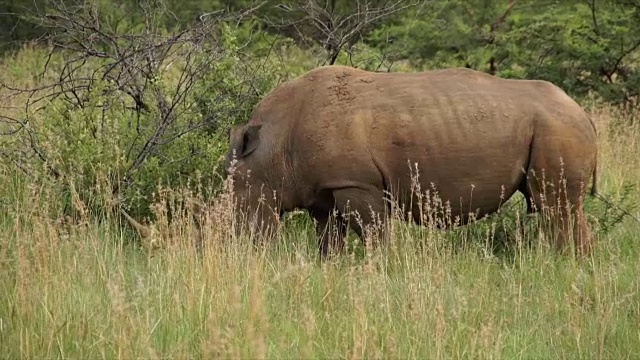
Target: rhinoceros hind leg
column 559, row 201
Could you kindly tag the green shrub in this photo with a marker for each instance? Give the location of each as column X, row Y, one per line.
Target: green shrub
column 165, row 127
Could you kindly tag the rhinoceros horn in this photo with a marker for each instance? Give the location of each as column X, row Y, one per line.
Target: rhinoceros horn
column 144, row 231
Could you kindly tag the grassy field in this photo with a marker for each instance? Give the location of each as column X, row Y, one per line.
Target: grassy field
column 85, row 289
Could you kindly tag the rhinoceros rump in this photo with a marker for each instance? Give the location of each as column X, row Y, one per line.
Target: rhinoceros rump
column 342, row 139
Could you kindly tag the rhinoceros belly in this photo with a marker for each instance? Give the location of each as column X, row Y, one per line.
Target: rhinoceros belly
column 463, row 159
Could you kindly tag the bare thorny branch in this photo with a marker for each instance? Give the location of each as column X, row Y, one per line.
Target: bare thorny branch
column 124, row 66
column 335, row 30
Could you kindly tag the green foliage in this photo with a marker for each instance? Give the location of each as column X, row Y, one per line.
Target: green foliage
column 229, row 90
column 443, row 34
column 609, row 213
column 580, row 47
column 14, row 30
column 177, row 139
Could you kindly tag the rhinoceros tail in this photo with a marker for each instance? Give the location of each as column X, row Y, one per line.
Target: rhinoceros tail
column 594, row 181
column 594, row 184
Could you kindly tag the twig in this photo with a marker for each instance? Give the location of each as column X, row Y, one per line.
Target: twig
column 610, row 203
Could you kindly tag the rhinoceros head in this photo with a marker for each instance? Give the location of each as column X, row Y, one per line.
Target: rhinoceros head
column 246, row 167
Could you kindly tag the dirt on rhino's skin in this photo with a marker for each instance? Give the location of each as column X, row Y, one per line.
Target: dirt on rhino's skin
column 342, row 138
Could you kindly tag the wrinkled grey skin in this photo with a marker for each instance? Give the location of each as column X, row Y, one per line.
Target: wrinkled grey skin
column 338, row 138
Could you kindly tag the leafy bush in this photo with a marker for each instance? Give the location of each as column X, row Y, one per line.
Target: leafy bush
column 580, row 46
column 136, row 110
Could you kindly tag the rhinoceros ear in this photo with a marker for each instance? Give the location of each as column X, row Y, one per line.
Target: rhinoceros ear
column 249, row 140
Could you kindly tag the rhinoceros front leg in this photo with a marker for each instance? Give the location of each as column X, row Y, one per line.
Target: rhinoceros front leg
column 365, row 212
